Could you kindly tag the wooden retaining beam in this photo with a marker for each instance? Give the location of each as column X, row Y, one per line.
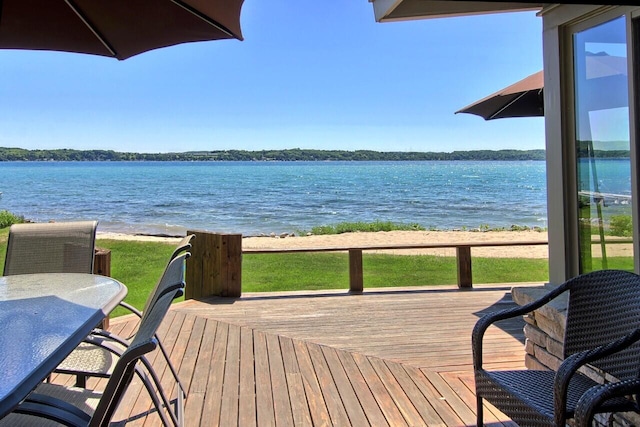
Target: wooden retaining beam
column 356, row 285
column 215, row 265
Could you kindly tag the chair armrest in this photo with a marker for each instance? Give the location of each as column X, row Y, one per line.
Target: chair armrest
column 46, row 400
column 106, row 335
column 108, row 343
column 572, row 363
column 484, row 322
column 50, row 412
column 597, row 395
column 131, row 308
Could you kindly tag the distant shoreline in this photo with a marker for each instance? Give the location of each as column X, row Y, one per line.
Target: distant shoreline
column 285, row 155
column 289, row 155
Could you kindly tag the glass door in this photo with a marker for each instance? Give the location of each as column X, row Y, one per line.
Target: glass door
column 602, row 146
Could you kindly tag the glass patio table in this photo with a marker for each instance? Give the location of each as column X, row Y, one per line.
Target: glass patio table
column 43, row 317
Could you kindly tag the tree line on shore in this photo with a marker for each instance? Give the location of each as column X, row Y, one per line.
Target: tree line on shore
column 295, row 154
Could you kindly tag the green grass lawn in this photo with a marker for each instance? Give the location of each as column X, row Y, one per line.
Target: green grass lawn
column 140, row 264
column 304, row 271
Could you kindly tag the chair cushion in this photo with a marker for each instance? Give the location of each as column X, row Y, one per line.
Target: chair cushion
column 89, row 359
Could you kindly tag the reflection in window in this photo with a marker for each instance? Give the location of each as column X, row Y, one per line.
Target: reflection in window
column 602, row 144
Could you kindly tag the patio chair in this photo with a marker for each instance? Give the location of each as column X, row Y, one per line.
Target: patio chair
column 602, row 330
column 56, row 247
column 74, row 406
column 183, row 246
column 97, row 356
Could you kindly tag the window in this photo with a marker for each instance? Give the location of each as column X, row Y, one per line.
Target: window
column 602, row 143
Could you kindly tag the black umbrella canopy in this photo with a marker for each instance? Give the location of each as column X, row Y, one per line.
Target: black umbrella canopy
column 115, row 28
column 602, row 79
column 521, row 99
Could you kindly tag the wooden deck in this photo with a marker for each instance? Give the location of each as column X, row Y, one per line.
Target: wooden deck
column 388, row 357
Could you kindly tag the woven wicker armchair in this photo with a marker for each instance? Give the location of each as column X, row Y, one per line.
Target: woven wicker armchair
column 602, row 330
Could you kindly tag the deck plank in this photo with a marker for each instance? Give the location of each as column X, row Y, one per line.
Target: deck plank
column 457, row 404
column 317, row 405
column 199, row 381
column 336, row 408
column 381, row 394
column 247, row 398
column 365, row 396
column 289, row 359
column 281, row 401
column 419, row 400
column 398, row 396
column 433, row 395
column 348, row 395
column 212, row 403
column 230, row 389
column 295, row 384
column 264, row 391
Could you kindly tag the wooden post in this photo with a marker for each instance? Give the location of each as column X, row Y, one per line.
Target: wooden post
column 463, row 256
column 102, row 266
column 356, row 280
column 102, row 262
column 215, row 266
column 231, row 247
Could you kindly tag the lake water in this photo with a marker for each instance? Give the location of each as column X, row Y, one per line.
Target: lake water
column 264, row 197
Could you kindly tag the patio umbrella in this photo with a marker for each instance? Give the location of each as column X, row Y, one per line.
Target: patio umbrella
column 115, row 28
column 602, row 74
column 521, row 99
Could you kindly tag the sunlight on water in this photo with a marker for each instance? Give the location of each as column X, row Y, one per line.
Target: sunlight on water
column 264, row 197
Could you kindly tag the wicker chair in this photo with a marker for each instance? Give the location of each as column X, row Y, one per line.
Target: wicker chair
column 75, row 406
column 602, row 330
column 56, row 247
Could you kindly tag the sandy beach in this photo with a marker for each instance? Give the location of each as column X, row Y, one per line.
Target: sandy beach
column 392, row 238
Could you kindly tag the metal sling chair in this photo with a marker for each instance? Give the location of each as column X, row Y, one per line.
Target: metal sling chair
column 84, row 367
column 74, row 406
column 55, row 247
column 96, row 357
column 602, row 330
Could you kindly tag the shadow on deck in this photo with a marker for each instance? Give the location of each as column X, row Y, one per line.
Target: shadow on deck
column 388, row 357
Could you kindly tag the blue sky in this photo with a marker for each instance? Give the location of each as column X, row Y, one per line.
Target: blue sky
column 308, row 75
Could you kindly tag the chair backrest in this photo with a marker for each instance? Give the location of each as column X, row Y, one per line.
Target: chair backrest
column 183, row 245
column 57, row 247
column 171, row 285
column 603, row 307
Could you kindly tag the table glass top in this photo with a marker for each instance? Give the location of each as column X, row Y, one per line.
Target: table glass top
column 42, row 313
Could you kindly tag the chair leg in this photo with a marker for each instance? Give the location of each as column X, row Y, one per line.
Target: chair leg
column 170, row 365
column 81, row 381
column 479, row 412
column 160, row 406
column 150, row 373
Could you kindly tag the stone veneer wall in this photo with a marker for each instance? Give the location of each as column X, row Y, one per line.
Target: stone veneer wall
column 544, row 333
